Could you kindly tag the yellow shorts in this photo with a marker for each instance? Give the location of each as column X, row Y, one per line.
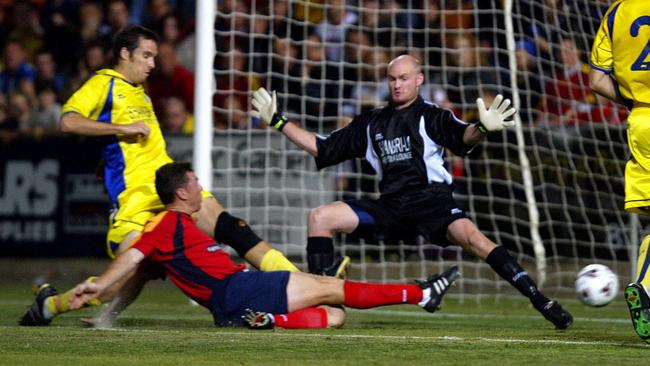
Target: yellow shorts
column 637, row 188
column 120, row 228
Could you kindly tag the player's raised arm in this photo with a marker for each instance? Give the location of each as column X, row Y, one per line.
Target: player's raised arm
column 496, row 118
column 118, row 269
column 265, row 108
column 79, row 125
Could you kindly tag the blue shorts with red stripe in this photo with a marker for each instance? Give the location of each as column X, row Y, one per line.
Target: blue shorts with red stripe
column 259, row 291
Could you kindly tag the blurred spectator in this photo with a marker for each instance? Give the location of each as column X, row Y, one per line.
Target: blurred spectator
column 312, row 11
column 319, row 89
column 60, row 19
column 568, row 99
column 28, row 88
column 44, row 117
column 429, row 34
column 258, row 43
column 169, row 29
column 333, row 29
column 8, row 126
column 231, row 24
column 94, row 58
column 466, row 75
column 281, row 24
column 92, row 27
column 27, row 30
column 46, row 71
column 528, row 80
column 374, row 23
column 176, row 119
column 232, row 115
column 117, row 15
column 5, row 25
column 186, row 51
column 372, row 91
column 16, row 67
column 19, row 110
column 458, row 14
column 357, row 46
column 286, row 75
column 233, row 79
column 158, row 9
column 170, row 79
column 544, row 22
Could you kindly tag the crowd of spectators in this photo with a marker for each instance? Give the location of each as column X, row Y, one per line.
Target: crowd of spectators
column 326, row 59
column 50, row 47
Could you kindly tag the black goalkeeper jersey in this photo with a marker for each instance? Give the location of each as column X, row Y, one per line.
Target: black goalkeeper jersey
column 405, row 146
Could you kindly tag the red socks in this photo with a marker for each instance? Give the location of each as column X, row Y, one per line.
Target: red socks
column 361, row 295
column 358, row 295
column 301, row 319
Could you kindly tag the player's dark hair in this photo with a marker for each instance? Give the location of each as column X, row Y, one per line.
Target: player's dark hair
column 169, row 178
column 129, row 38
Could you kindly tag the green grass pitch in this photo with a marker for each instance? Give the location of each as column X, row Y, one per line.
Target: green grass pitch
column 161, row 328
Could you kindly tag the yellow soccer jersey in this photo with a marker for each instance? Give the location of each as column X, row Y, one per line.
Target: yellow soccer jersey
column 622, row 46
column 131, row 162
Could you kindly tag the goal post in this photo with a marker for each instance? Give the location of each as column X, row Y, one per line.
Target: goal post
column 549, row 190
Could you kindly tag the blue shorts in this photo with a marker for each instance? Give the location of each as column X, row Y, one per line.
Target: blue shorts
column 259, row 291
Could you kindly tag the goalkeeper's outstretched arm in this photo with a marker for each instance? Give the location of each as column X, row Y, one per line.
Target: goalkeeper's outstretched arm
column 265, row 108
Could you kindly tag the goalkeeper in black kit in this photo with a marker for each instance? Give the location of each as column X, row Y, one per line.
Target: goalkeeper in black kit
column 405, row 143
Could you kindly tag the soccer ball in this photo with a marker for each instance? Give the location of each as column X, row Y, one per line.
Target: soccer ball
column 596, row 285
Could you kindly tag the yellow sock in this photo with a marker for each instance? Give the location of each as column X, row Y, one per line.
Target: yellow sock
column 59, row 304
column 275, row 261
column 642, row 264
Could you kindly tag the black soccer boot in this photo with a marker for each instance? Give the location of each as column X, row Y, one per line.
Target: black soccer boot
column 34, row 316
column 439, row 284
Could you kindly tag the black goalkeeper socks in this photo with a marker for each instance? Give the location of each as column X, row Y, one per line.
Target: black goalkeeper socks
column 506, row 266
column 320, row 253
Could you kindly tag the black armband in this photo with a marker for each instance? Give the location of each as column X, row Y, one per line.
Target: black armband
column 236, row 233
column 278, row 121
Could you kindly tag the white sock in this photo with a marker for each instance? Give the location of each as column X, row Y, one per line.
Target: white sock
column 426, row 296
column 47, row 314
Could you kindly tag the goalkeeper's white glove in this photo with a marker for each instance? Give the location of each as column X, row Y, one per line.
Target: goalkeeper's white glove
column 494, row 119
column 265, row 108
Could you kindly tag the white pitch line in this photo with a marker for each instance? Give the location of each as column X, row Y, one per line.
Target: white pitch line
column 419, row 314
column 452, row 339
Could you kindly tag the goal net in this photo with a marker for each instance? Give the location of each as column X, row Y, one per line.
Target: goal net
column 327, row 63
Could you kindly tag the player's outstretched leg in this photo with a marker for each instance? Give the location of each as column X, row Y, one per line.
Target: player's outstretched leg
column 49, row 303
column 437, row 284
column 638, row 303
column 506, row 266
column 556, row 314
column 37, row 314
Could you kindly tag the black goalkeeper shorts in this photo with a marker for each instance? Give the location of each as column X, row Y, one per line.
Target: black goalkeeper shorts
column 427, row 212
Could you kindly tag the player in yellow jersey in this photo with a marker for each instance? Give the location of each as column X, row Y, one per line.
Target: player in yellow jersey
column 113, row 104
column 620, row 71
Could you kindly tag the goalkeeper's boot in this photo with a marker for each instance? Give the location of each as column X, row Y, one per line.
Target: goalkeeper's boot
column 555, row 313
column 439, row 284
column 339, row 268
column 638, row 303
column 34, row 315
column 258, row 319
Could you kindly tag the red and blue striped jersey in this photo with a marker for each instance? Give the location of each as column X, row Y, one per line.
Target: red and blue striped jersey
column 189, row 257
